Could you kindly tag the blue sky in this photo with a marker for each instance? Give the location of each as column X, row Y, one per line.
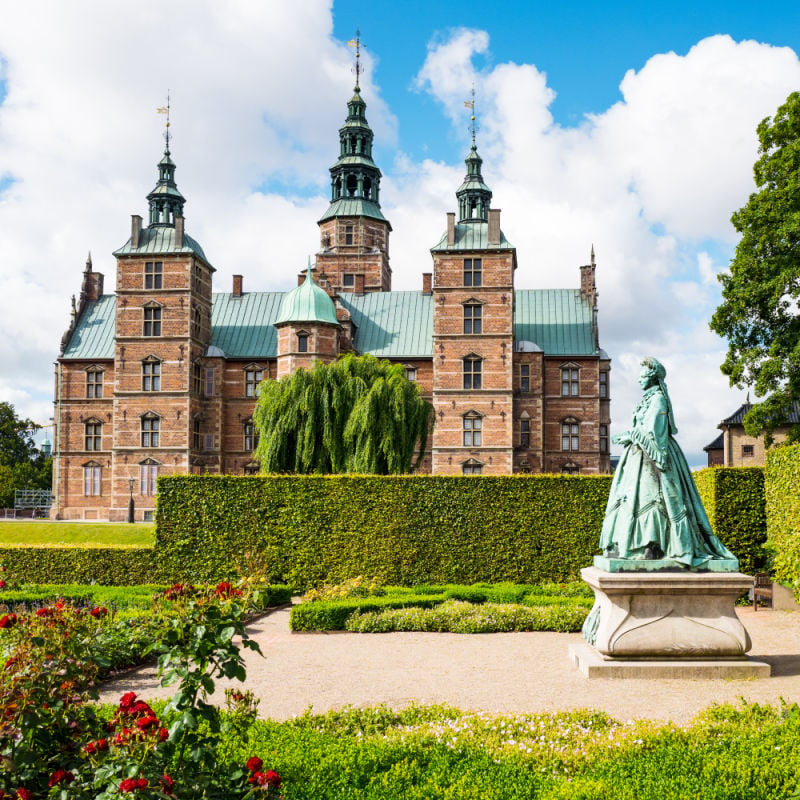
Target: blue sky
column 625, row 126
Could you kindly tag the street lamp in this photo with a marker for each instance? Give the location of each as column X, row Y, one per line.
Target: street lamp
column 130, row 502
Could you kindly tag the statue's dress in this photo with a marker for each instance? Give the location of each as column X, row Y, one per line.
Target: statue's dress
column 653, row 497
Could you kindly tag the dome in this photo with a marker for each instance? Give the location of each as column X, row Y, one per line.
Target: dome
column 307, row 303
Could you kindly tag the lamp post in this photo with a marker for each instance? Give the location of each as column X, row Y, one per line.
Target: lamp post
column 130, row 502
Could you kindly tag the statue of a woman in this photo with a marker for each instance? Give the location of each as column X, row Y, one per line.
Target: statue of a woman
column 654, row 510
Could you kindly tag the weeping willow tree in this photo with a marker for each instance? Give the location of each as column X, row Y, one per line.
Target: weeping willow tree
column 357, row 414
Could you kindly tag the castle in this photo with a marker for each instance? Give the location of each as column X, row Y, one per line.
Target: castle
column 161, row 377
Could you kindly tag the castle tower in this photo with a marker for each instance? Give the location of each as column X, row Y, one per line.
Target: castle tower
column 307, row 327
column 473, row 301
column 354, row 234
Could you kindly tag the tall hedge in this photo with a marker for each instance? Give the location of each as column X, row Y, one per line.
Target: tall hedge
column 402, row 529
column 782, row 478
column 735, row 504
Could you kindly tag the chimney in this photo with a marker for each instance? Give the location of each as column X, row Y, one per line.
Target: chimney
column 588, row 286
column 427, row 280
column 451, row 228
column 136, row 229
column 179, row 232
column 494, row 226
column 237, row 285
column 359, row 283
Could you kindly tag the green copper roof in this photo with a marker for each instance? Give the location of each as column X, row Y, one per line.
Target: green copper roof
column 388, row 324
column 307, row 302
column 93, row 337
column 558, row 320
column 353, row 207
column 159, row 240
column 472, row 236
column 392, row 324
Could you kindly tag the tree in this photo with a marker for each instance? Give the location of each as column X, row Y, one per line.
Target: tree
column 22, row 465
column 357, row 414
column 760, row 311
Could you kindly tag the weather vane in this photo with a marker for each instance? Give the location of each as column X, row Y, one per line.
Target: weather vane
column 356, row 43
column 470, row 104
column 165, row 110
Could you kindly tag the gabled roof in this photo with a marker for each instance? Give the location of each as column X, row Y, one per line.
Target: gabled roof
column 472, row 236
column 737, row 418
column 160, row 239
column 558, row 320
column 93, row 337
column 717, row 444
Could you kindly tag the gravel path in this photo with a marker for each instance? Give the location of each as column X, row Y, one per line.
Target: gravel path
column 496, row 672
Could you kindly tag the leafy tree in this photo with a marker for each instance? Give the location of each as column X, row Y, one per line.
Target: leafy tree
column 759, row 313
column 357, row 414
column 22, row 465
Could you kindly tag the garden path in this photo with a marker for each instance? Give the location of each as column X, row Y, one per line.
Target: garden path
column 495, row 672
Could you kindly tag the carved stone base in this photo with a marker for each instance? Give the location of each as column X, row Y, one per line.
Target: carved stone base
column 666, row 615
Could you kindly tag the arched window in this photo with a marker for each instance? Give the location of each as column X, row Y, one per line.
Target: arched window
column 473, row 367
column 473, row 429
column 471, row 467
column 148, row 474
column 570, row 434
column 151, row 424
column 93, row 434
column 91, row 479
column 151, row 374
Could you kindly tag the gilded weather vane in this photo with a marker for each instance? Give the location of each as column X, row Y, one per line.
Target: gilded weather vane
column 165, row 110
column 470, row 104
column 356, row 43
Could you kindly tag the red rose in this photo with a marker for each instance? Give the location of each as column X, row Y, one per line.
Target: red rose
column 2, row 584
column 132, row 784
column 90, row 748
column 98, row 612
column 163, row 735
column 24, row 794
column 102, row 744
column 273, row 779
column 143, row 723
column 254, row 764
column 59, row 605
column 166, row 781
column 8, row 621
column 60, row 776
column 127, row 700
column 44, row 612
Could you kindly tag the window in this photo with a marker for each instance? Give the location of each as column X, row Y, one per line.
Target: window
column 748, row 451
column 151, row 375
column 524, row 433
column 150, row 429
column 472, row 430
column 93, row 435
column 411, row 373
column 569, row 382
column 197, row 277
column 209, row 381
column 348, row 279
column 196, row 434
column 473, row 272
column 604, row 438
column 473, row 313
column 570, row 469
column 471, row 467
column 208, row 442
column 524, row 377
column 152, row 275
column 604, row 383
column 94, row 383
column 348, row 234
column 472, row 372
column 197, row 378
column 152, row 321
column 252, row 379
column 197, row 320
column 302, row 342
column 148, row 472
column 569, row 435
column 91, row 480
column 250, row 435
column 251, row 468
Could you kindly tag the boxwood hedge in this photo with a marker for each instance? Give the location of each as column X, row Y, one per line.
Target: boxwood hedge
column 783, row 513
column 734, row 501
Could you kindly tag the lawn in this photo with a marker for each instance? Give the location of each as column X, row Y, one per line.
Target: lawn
column 102, row 533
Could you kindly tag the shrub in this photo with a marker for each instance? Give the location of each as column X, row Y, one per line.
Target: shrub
column 734, row 501
column 332, row 615
column 782, row 477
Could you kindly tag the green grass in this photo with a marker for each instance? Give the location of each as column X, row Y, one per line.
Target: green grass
column 101, row 533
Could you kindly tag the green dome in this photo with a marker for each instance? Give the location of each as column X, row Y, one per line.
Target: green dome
column 307, row 303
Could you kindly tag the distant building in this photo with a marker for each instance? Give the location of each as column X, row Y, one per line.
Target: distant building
column 161, row 377
column 734, row 448
column 716, row 451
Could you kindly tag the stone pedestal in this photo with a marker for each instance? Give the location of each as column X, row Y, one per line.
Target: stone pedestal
column 684, row 622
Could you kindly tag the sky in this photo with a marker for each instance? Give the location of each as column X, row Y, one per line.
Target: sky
column 623, row 126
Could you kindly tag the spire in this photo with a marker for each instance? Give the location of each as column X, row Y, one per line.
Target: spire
column 474, row 196
column 592, row 256
column 166, row 202
column 89, row 262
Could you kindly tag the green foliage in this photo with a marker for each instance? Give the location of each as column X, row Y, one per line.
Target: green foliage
column 332, row 615
column 406, row 530
column 22, row 466
column 357, row 414
column 734, row 501
column 782, row 475
column 758, row 314
column 33, row 532
column 356, row 587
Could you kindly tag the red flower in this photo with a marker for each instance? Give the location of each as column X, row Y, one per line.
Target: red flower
column 254, row 764
column 270, row 778
column 96, row 747
column 143, row 723
column 60, row 776
column 44, row 612
column 163, row 735
column 132, row 784
column 97, row 612
column 224, row 589
column 127, row 700
column 59, row 605
column 24, row 794
column 166, row 781
column 2, row 584
column 8, row 621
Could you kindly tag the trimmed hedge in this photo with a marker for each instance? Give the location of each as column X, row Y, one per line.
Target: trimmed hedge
column 112, row 566
column 782, row 475
column 735, row 504
column 306, row 530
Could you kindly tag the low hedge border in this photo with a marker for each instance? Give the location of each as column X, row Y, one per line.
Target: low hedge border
column 331, row 615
